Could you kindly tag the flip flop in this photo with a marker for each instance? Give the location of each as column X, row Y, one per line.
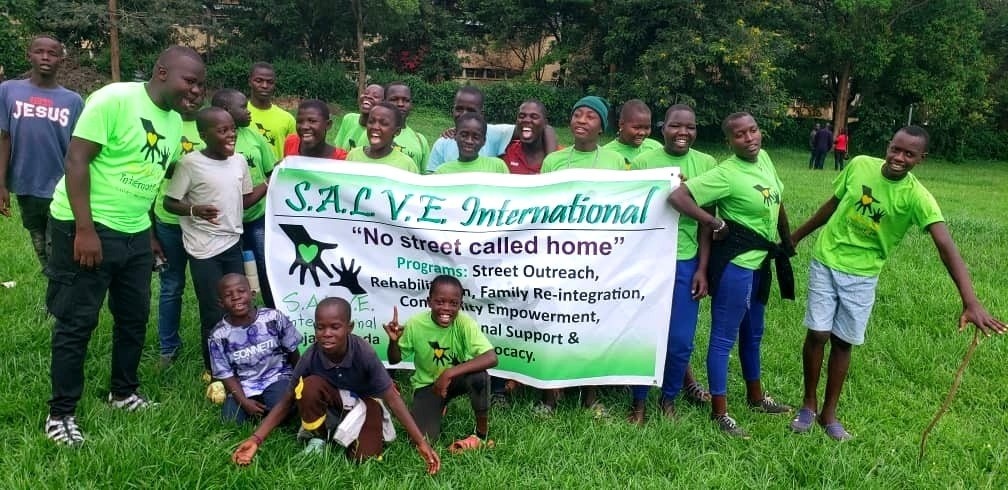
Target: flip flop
column 837, row 432
column 802, row 422
column 469, row 443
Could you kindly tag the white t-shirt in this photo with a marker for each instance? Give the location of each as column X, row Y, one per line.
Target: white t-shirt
column 202, row 180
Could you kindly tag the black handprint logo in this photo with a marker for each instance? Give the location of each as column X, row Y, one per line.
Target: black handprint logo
column 307, row 253
column 348, row 277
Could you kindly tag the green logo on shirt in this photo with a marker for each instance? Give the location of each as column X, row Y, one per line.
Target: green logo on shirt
column 266, row 134
column 769, row 196
column 864, row 205
column 187, row 146
column 150, row 149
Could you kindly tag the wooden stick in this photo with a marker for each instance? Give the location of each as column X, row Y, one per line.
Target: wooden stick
column 956, row 381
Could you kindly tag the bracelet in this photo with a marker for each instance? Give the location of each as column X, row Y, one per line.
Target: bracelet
column 258, row 440
column 191, row 210
column 720, row 228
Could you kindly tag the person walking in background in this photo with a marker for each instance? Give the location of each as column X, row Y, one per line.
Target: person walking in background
column 822, row 143
column 840, row 150
column 811, row 145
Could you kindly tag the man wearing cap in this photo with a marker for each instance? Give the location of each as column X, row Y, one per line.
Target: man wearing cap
column 588, row 119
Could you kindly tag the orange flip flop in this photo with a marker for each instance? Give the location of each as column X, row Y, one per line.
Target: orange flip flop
column 469, row 443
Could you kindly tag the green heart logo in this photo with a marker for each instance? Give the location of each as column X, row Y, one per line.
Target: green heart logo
column 308, row 252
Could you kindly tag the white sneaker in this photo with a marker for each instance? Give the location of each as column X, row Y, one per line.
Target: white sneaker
column 64, row 430
column 314, row 446
column 131, row 403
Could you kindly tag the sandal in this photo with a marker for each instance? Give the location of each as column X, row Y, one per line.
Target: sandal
column 469, row 443
column 696, row 394
column 637, row 414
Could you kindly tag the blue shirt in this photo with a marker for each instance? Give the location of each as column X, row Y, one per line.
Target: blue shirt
column 257, row 353
column 40, row 122
column 360, row 371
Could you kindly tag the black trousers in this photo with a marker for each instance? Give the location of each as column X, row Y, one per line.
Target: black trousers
column 74, row 298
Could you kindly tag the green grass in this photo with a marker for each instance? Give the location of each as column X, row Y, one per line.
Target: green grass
column 897, row 381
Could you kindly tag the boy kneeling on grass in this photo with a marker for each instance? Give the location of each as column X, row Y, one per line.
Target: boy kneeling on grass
column 336, row 371
column 451, row 356
column 874, row 203
column 253, row 351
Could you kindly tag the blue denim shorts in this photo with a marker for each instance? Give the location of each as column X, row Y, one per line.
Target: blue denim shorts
column 839, row 303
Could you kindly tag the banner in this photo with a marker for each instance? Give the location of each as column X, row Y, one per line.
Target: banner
column 569, row 274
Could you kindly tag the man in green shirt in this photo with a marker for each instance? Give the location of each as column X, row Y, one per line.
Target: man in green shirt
column 588, row 121
column 272, row 122
column 470, row 136
column 693, row 252
column 352, row 128
column 408, row 141
column 101, row 241
column 633, row 131
column 747, row 191
column 874, row 204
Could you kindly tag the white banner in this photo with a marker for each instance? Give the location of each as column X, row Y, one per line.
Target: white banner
column 569, row 274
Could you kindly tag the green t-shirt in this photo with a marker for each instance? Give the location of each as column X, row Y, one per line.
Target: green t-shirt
column 631, row 152
column 745, row 192
column 260, row 159
column 571, row 158
column 350, row 134
column 138, row 140
column 873, row 216
column 413, row 144
column 396, row 159
column 190, row 142
column 692, row 164
column 491, row 165
column 274, row 124
column 435, row 348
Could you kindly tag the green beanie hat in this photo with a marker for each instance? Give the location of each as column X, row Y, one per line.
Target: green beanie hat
column 597, row 104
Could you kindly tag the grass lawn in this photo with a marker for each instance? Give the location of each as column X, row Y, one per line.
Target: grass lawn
column 897, row 381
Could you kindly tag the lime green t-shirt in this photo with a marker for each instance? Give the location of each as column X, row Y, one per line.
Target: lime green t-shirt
column 491, row 165
column 571, row 158
column 413, row 145
column 260, row 159
column 631, row 152
column 434, row 348
column 274, row 124
column 745, row 192
column 138, row 140
column 350, row 134
column 396, row 159
column 692, row 164
column 190, row 142
column 873, row 216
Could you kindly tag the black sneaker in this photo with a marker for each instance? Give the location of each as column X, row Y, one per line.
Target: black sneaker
column 729, row 426
column 769, row 405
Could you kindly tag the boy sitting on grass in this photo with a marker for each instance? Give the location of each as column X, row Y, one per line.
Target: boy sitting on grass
column 874, row 203
column 253, row 351
column 470, row 135
column 339, row 363
column 451, row 356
